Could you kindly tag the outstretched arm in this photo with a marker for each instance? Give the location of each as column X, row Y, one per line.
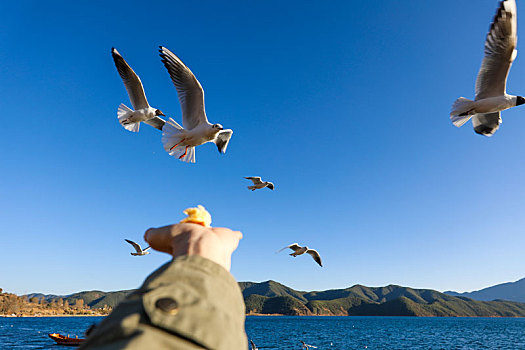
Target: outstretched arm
column 192, row 302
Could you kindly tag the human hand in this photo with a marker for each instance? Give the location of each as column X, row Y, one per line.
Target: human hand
column 214, row 243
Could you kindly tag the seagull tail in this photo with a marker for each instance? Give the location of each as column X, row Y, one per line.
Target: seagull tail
column 123, row 114
column 190, row 155
column 172, row 135
column 461, row 111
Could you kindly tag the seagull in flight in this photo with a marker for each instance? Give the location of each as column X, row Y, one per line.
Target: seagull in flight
column 138, row 249
column 491, row 96
column 258, row 183
column 307, row 346
column 180, row 141
column 298, row 250
column 130, row 119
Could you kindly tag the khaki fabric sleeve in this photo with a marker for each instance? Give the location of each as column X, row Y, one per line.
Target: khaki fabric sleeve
column 188, row 303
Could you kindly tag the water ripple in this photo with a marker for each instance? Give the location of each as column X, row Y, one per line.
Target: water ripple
column 270, row 332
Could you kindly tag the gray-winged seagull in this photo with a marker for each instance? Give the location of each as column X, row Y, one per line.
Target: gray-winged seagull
column 127, row 117
column 180, row 141
column 258, row 183
column 298, row 250
column 491, row 97
column 138, row 249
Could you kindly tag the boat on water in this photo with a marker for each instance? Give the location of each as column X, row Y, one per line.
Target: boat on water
column 65, row 340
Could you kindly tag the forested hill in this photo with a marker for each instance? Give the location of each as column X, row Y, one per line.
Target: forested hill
column 95, row 299
column 274, row 298
column 271, row 297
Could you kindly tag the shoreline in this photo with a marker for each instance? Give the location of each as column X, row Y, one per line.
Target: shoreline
column 34, row 316
column 255, row 314
column 263, row 315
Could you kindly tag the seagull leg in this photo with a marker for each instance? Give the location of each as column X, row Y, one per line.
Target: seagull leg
column 185, row 152
column 178, row 144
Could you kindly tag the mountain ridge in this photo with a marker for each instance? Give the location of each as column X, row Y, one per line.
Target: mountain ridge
column 511, row 291
column 358, row 300
column 95, row 299
column 271, row 297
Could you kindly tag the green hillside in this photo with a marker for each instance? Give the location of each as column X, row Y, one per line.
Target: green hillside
column 360, row 300
column 271, row 297
column 95, row 299
column 269, row 289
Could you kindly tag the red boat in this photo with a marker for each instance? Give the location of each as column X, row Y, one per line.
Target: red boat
column 63, row 340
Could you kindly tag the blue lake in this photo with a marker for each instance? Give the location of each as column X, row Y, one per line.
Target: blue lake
column 269, row 332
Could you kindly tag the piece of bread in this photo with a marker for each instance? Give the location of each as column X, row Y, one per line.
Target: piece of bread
column 198, row 216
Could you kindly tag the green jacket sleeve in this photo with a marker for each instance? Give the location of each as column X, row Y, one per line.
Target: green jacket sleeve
column 188, row 303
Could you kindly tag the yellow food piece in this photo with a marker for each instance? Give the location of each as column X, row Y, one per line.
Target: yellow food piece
column 198, row 216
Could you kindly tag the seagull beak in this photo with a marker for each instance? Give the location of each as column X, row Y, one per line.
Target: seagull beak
column 162, row 114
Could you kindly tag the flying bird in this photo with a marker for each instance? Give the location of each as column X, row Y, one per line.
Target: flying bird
column 252, row 345
column 138, row 249
column 180, row 141
column 258, row 183
column 491, row 96
column 298, row 250
column 307, row 346
column 130, row 119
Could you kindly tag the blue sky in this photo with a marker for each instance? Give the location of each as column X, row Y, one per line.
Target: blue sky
column 343, row 105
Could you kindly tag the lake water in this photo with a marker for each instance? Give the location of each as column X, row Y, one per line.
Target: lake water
column 269, row 332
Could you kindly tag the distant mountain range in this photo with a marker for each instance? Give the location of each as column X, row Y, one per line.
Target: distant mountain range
column 271, row 297
column 95, row 299
column 513, row 291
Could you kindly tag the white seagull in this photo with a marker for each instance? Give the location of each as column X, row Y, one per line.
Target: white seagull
column 491, row 97
column 307, row 346
column 181, row 142
column 127, row 117
column 298, row 250
column 258, row 183
column 138, row 249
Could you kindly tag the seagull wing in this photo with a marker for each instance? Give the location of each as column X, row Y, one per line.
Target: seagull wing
column 135, row 245
column 131, row 81
column 293, row 247
column 156, row 122
column 256, row 180
column 146, row 249
column 222, row 139
column 315, row 255
column 189, row 90
column 253, row 345
column 500, row 51
column 486, row 124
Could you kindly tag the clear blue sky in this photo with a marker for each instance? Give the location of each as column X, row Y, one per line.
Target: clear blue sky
column 342, row 104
